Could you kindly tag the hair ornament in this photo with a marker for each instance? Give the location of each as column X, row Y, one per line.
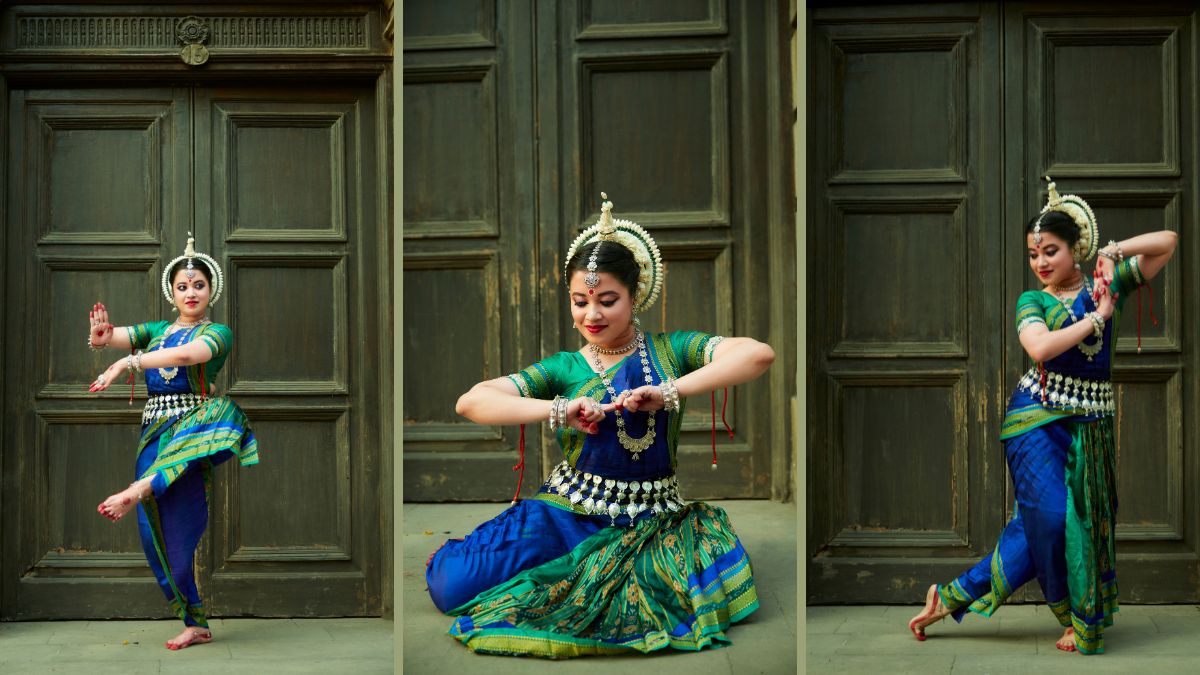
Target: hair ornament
column 1077, row 210
column 190, row 255
column 639, row 242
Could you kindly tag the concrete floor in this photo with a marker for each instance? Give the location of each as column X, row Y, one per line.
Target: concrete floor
column 240, row 646
column 1018, row 639
column 763, row 644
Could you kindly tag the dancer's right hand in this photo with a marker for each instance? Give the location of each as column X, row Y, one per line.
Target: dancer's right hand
column 584, row 413
column 100, row 330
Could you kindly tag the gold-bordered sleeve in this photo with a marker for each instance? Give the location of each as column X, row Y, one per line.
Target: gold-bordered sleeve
column 693, row 349
column 218, row 337
column 141, row 334
column 1030, row 311
column 539, row 380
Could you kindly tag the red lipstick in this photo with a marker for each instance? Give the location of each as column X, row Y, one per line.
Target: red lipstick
column 595, row 329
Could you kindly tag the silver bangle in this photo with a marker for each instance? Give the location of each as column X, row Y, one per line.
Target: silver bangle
column 670, row 394
column 558, row 413
column 1120, row 255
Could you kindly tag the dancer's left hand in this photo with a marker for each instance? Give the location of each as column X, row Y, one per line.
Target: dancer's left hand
column 108, row 377
column 648, row 397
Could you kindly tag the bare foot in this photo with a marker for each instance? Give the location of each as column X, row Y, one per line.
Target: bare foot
column 191, row 635
column 1067, row 641
column 430, row 558
column 115, row 507
column 934, row 611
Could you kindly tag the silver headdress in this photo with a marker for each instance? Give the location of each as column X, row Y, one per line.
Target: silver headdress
column 190, row 255
column 1079, row 211
column 639, row 242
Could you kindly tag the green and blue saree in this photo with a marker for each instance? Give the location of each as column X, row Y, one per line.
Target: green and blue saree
column 1060, row 445
column 607, row 558
column 185, row 433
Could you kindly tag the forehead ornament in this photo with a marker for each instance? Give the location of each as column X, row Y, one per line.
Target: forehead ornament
column 608, row 231
column 1080, row 213
column 191, row 255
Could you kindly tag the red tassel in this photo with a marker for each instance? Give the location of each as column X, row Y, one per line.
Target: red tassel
column 725, row 402
column 520, row 466
column 203, row 391
column 132, row 378
column 1042, row 374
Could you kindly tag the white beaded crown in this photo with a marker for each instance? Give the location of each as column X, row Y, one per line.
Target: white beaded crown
column 1079, row 211
column 190, row 254
column 639, row 242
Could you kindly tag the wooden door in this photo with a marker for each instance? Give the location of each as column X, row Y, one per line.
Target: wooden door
column 284, row 191
column 517, row 116
column 470, row 263
column 904, row 394
column 100, row 195
column 277, row 183
column 930, row 127
column 1105, row 105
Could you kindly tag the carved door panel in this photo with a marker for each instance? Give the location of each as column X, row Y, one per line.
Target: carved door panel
column 906, row 476
column 283, row 184
column 1133, row 159
column 470, row 263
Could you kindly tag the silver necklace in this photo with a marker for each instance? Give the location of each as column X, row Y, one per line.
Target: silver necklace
column 169, row 374
column 619, row 350
column 1072, row 289
column 636, row 446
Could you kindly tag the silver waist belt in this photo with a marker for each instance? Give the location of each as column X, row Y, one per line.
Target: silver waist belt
column 609, row 496
column 1067, row 392
column 164, row 405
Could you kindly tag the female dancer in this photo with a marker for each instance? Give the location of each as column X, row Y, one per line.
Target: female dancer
column 185, row 432
column 1058, row 431
column 607, row 558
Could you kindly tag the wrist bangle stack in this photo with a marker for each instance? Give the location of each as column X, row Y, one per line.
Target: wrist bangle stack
column 1120, row 255
column 1097, row 323
column 670, row 394
column 558, row 413
column 93, row 347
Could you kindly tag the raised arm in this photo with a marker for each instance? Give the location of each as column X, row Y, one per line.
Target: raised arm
column 1155, row 249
